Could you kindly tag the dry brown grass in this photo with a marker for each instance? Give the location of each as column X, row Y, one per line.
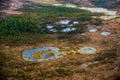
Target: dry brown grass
column 13, row 67
column 67, row 68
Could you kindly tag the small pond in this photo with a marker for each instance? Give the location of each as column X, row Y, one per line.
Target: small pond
column 53, row 30
column 68, row 29
column 40, row 54
column 75, row 22
column 49, row 26
column 87, row 50
column 105, row 33
column 65, row 22
column 50, row 53
column 85, row 65
column 93, row 30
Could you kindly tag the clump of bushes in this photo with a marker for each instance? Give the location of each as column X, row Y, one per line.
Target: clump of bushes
column 17, row 25
column 107, row 54
column 96, row 22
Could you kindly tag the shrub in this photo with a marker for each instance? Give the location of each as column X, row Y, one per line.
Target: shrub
column 17, row 25
column 107, row 54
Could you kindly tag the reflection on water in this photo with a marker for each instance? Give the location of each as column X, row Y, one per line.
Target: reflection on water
column 99, row 10
column 87, row 50
column 49, row 26
column 84, row 65
column 75, row 22
column 39, row 54
column 68, row 29
column 50, row 53
column 105, row 33
column 53, row 30
column 109, row 14
column 65, row 22
column 93, row 30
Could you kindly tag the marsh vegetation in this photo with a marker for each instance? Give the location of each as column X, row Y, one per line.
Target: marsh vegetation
column 30, row 30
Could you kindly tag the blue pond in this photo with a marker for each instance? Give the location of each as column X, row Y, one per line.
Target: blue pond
column 93, row 30
column 87, row 50
column 69, row 29
column 104, row 33
column 49, row 26
column 28, row 55
column 65, row 22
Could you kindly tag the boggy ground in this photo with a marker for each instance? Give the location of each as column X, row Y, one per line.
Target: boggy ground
column 13, row 67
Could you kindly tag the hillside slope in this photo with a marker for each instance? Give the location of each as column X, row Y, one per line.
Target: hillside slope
column 110, row 4
column 81, row 2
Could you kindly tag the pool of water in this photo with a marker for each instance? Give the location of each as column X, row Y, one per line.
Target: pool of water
column 50, row 53
column 53, row 30
column 107, row 17
column 40, row 54
column 87, row 50
column 49, row 26
column 84, row 65
column 105, row 33
column 68, row 29
column 75, row 22
column 93, row 30
column 65, row 22
column 99, row 10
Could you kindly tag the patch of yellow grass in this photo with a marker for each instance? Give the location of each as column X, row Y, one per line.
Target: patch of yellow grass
column 49, row 55
column 118, row 20
column 66, row 68
column 36, row 55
